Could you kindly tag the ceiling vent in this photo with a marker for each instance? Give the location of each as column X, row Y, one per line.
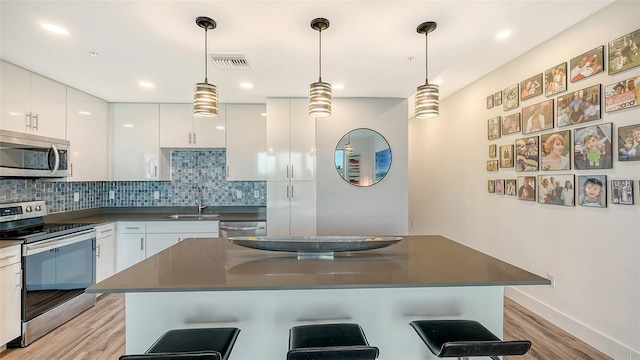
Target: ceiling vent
column 230, row 61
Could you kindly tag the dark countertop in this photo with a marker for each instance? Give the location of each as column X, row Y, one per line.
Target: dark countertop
column 215, row 264
column 7, row 243
column 105, row 215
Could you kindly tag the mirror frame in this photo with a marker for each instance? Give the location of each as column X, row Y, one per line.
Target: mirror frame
column 339, row 149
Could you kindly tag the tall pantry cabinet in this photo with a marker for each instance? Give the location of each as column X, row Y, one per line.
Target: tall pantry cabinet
column 291, row 190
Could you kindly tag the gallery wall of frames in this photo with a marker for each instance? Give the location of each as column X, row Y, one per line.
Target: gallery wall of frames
column 566, row 131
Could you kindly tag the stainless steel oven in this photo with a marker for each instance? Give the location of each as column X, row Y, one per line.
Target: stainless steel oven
column 58, row 264
column 27, row 156
column 242, row 228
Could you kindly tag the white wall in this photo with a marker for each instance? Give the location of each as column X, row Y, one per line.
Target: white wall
column 344, row 209
column 594, row 253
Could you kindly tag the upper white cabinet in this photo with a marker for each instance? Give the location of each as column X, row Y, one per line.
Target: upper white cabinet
column 87, row 132
column 290, row 140
column 180, row 129
column 32, row 103
column 136, row 146
column 246, row 142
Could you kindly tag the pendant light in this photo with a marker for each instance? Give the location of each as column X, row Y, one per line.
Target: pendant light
column 348, row 147
column 320, row 92
column 205, row 95
column 427, row 95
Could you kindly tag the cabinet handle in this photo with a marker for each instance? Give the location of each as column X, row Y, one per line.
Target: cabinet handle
column 98, row 251
column 27, row 121
column 189, row 137
column 292, row 191
column 35, row 121
column 287, row 191
column 155, row 171
column 194, row 139
column 141, row 243
column 19, row 279
column 287, row 171
column 108, row 230
column 132, row 227
column 71, row 169
column 7, row 257
column 292, row 176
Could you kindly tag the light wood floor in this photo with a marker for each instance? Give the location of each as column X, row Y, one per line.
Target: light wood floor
column 98, row 334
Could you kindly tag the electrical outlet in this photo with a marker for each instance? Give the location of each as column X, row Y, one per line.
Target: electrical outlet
column 238, row 194
column 552, row 278
column 112, row 194
column 256, row 194
column 76, row 196
column 156, row 195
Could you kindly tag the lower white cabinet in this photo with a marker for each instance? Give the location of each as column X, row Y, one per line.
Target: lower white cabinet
column 130, row 247
column 10, row 293
column 105, row 251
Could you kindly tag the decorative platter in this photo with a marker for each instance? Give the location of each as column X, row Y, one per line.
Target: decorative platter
column 315, row 246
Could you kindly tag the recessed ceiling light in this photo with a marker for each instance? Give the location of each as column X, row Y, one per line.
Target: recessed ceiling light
column 55, row 29
column 503, row 34
column 146, row 84
column 127, row 125
column 220, row 127
column 246, row 85
column 338, row 86
column 263, row 114
column 84, row 113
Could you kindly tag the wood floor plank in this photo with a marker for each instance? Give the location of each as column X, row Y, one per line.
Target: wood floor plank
column 99, row 334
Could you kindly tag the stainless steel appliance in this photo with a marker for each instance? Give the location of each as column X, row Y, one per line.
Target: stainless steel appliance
column 242, row 228
column 32, row 156
column 58, row 264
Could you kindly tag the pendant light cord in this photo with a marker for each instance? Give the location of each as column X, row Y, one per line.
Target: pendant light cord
column 426, row 56
column 205, row 55
column 320, row 55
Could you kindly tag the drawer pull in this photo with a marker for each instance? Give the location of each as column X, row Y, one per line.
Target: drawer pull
column 7, row 257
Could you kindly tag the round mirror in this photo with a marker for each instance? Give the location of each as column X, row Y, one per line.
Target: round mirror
column 363, row 157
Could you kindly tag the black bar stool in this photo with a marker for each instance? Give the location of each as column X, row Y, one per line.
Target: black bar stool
column 191, row 344
column 465, row 338
column 329, row 342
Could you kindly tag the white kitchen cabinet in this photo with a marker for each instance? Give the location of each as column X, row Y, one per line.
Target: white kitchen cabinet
column 291, row 139
column 10, row 293
column 246, row 142
column 163, row 234
column 130, row 243
column 180, row 129
column 87, row 132
column 291, row 208
column 31, row 103
column 105, row 251
column 136, row 146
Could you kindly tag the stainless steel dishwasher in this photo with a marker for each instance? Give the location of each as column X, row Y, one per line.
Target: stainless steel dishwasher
column 242, row 228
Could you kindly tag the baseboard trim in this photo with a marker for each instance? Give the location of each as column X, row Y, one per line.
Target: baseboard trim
column 583, row 332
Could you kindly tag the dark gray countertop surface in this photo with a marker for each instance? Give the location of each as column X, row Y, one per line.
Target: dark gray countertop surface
column 7, row 243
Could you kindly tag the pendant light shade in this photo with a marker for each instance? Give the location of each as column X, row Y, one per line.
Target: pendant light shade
column 205, row 95
column 320, row 92
column 348, row 147
column 427, row 95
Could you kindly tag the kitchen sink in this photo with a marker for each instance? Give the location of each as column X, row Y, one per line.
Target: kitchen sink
column 193, row 216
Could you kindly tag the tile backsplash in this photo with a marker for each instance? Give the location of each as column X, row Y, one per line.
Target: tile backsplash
column 189, row 169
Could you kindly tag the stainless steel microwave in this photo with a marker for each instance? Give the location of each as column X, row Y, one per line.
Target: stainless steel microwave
column 32, row 156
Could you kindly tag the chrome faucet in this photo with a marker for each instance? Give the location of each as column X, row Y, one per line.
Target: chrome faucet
column 197, row 193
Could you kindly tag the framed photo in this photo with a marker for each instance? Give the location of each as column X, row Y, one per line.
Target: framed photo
column 510, row 187
column 592, row 190
column 527, row 188
column 587, row 64
column 556, row 149
column 511, row 124
column 506, row 156
column 629, row 143
column 492, row 150
column 527, row 156
column 497, row 98
column 623, row 52
column 555, row 79
column 492, row 165
column 491, row 186
column 499, row 187
column 592, row 148
column 531, row 87
column 622, row 95
column 493, row 128
column 510, row 97
column 489, row 101
column 556, row 189
column 537, row 117
column 621, row 192
column 579, row 106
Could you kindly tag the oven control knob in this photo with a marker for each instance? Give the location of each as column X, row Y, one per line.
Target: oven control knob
column 29, row 209
column 38, row 207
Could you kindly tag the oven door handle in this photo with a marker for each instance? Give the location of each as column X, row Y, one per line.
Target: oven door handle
column 38, row 247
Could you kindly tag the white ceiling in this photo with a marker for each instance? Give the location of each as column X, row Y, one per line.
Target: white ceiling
column 367, row 48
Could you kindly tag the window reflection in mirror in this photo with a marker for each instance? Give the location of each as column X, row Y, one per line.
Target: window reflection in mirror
column 363, row 157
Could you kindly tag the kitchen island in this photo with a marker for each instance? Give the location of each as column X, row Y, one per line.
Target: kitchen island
column 212, row 283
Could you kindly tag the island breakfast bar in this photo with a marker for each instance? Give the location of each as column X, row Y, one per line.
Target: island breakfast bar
column 212, row 282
